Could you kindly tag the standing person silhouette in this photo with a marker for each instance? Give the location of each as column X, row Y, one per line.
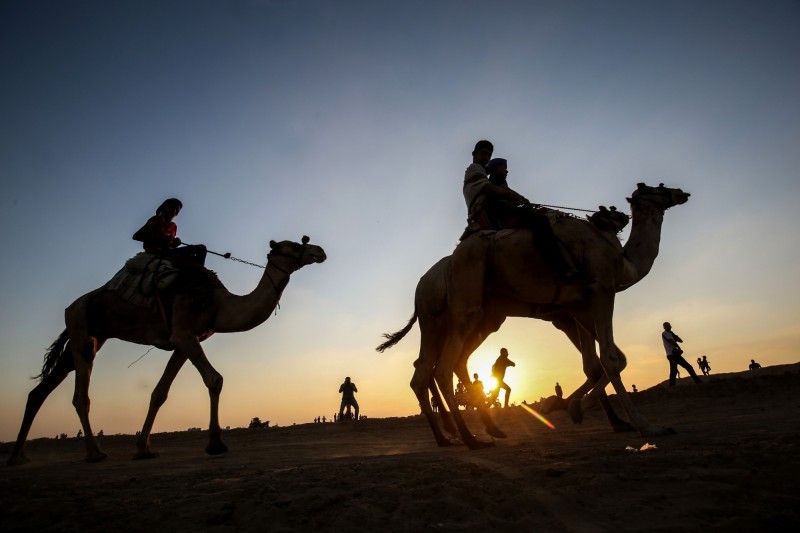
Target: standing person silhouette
column 478, row 390
column 754, row 365
column 559, row 391
column 674, row 355
column 706, row 366
column 499, row 373
column 348, row 390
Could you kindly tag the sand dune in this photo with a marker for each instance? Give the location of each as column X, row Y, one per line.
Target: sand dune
column 733, row 466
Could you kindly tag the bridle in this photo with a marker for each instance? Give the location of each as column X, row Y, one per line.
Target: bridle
column 298, row 262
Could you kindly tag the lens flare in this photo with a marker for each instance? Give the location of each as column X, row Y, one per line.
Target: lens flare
column 541, row 419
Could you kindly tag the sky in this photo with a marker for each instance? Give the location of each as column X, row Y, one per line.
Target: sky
column 352, row 122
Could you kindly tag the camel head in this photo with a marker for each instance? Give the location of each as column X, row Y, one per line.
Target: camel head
column 296, row 255
column 661, row 197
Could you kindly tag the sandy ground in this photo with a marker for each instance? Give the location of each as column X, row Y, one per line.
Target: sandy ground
column 733, row 466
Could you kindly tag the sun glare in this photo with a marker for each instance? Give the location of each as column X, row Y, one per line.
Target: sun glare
column 539, row 417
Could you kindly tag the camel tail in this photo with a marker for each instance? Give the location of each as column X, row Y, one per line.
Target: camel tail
column 394, row 338
column 53, row 354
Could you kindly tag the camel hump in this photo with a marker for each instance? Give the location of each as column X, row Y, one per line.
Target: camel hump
column 609, row 219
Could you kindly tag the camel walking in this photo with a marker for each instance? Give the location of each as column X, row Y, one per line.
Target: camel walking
column 102, row 314
column 467, row 296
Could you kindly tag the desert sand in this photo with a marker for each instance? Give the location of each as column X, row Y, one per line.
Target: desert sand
column 732, row 466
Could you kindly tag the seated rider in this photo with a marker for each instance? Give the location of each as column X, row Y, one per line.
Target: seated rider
column 159, row 235
column 492, row 204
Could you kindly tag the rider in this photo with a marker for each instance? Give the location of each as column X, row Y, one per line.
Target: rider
column 159, row 234
column 492, row 204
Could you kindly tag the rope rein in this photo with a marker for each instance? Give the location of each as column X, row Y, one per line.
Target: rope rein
column 567, row 208
column 228, row 255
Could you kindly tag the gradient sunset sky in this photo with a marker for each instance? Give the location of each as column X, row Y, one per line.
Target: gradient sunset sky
column 352, row 122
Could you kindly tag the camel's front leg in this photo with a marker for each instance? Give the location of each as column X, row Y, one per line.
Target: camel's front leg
column 596, row 381
column 190, row 346
column 157, row 399
column 602, row 312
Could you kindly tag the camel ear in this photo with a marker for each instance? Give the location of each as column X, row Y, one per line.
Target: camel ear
column 272, row 245
column 628, row 199
column 603, row 208
column 305, row 239
column 613, row 208
column 640, row 186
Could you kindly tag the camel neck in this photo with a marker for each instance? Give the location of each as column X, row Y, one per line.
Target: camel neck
column 643, row 244
column 242, row 313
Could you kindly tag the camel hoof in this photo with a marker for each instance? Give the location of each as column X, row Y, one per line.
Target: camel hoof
column 96, row 457
column 445, row 442
column 476, row 444
column 622, row 427
column 575, row 411
column 146, row 454
column 216, row 448
column 496, row 432
column 17, row 460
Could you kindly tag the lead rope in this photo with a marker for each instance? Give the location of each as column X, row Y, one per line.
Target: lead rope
column 228, row 255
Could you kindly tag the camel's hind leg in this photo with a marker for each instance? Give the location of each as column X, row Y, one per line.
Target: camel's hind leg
column 421, row 381
column 35, row 400
column 83, row 354
column 157, row 399
column 444, row 415
column 489, row 326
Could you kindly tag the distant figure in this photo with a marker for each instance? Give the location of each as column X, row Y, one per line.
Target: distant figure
column 559, row 391
column 348, row 390
column 754, row 365
column 499, row 373
column 634, row 388
column 675, row 355
column 80, row 433
column 478, row 389
column 159, row 235
column 705, row 368
column 460, row 388
column 435, row 403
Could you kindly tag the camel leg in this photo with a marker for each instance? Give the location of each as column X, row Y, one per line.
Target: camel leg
column 443, row 373
column 190, row 346
column 490, row 324
column 602, row 311
column 444, row 415
column 421, row 381
column 35, row 400
column 585, row 343
column 83, row 354
column 157, row 399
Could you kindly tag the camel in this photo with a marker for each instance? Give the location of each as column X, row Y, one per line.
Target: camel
column 101, row 314
column 467, row 296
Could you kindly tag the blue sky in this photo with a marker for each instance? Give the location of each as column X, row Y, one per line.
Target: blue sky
column 352, row 122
